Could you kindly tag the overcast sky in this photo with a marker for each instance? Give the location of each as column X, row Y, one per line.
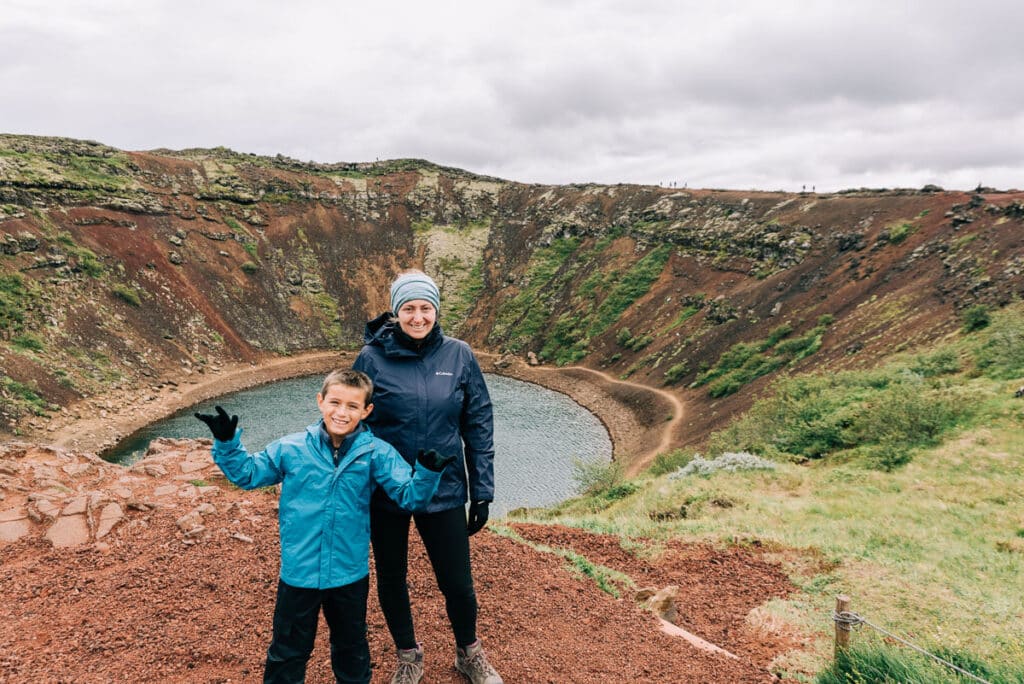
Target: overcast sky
column 745, row 94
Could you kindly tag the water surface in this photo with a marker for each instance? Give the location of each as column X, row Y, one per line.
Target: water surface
column 538, row 433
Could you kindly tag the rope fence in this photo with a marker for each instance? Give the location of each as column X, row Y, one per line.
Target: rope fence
column 845, row 620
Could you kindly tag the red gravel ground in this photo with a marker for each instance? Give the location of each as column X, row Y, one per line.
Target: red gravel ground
column 149, row 607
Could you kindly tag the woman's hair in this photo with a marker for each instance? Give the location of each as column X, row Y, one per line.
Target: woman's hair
column 348, row 378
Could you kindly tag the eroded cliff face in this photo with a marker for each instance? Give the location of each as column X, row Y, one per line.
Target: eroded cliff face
column 122, row 269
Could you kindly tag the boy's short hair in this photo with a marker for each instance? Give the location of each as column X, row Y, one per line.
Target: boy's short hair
column 349, row 378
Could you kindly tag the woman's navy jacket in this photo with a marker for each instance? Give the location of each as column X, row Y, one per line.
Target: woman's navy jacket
column 433, row 397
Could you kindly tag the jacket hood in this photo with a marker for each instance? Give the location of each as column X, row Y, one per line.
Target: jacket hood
column 379, row 328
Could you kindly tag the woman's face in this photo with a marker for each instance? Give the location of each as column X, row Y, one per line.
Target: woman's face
column 416, row 318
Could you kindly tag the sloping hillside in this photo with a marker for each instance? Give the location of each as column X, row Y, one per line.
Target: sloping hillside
column 133, row 269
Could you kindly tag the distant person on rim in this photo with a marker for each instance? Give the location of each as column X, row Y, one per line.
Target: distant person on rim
column 429, row 390
column 327, row 474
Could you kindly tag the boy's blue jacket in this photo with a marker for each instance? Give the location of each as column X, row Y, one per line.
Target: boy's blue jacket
column 324, row 512
column 432, row 398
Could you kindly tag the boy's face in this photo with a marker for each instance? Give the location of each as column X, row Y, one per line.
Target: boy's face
column 342, row 408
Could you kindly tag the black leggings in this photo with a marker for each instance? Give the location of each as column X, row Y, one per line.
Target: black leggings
column 447, row 543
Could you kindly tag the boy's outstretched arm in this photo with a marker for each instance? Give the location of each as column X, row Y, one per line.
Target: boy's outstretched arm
column 412, row 489
column 244, row 470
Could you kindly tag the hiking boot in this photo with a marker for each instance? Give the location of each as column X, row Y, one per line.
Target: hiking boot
column 410, row 666
column 472, row 662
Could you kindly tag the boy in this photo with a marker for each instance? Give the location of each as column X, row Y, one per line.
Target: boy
column 327, row 473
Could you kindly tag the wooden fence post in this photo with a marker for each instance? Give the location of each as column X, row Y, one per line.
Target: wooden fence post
column 842, row 628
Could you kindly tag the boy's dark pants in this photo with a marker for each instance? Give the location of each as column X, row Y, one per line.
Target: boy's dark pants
column 295, row 621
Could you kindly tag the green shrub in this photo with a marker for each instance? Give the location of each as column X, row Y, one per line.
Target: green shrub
column 670, row 461
column 28, row 342
column 879, row 417
column 126, row 293
column 232, row 224
column 623, row 337
column 675, row 373
column 900, row 232
column 1000, row 351
column 249, row 267
column 601, row 479
column 943, row 362
column 975, row 318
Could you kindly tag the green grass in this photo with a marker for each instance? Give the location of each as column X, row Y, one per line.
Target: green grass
column 17, row 297
column 126, row 293
column 928, row 547
column 875, row 662
column 18, row 398
column 744, row 362
column 520, row 319
column 83, row 259
column 898, row 232
column 28, row 342
column 607, row 580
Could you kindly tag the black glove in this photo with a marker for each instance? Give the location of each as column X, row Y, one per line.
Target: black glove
column 477, row 516
column 431, row 460
column 222, row 427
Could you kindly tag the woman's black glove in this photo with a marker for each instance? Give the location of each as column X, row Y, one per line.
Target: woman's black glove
column 477, row 516
column 431, row 460
column 222, row 427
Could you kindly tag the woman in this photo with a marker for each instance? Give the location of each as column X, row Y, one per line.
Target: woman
column 429, row 393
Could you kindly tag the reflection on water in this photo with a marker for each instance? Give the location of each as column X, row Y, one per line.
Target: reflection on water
column 538, row 433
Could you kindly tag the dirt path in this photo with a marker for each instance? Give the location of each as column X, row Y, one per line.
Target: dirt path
column 641, row 420
column 668, row 431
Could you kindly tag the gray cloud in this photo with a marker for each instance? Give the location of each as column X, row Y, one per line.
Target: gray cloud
column 733, row 94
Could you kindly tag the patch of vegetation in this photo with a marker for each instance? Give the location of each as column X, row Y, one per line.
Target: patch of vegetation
column 746, row 361
column 17, row 398
column 85, row 260
column 604, row 480
column 635, row 283
column 875, row 662
column 458, row 304
column 126, row 293
column 252, row 250
column 249, row 267
column 28, row 342
column 521, row 319
column 233, row 224
column 879, row 417
column 607, row 579
column 569, row 338
column 625, row 338
column 975, row 318
column 17, row 296
column 683, row 316
column 676, row 373
column 899, row 232
column 670, row 461
column 999, row 349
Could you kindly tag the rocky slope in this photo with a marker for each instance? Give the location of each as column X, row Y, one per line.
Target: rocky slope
column 165, row 573
column 124, row 270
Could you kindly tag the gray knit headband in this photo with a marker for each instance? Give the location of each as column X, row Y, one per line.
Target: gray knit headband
column 410, row 286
